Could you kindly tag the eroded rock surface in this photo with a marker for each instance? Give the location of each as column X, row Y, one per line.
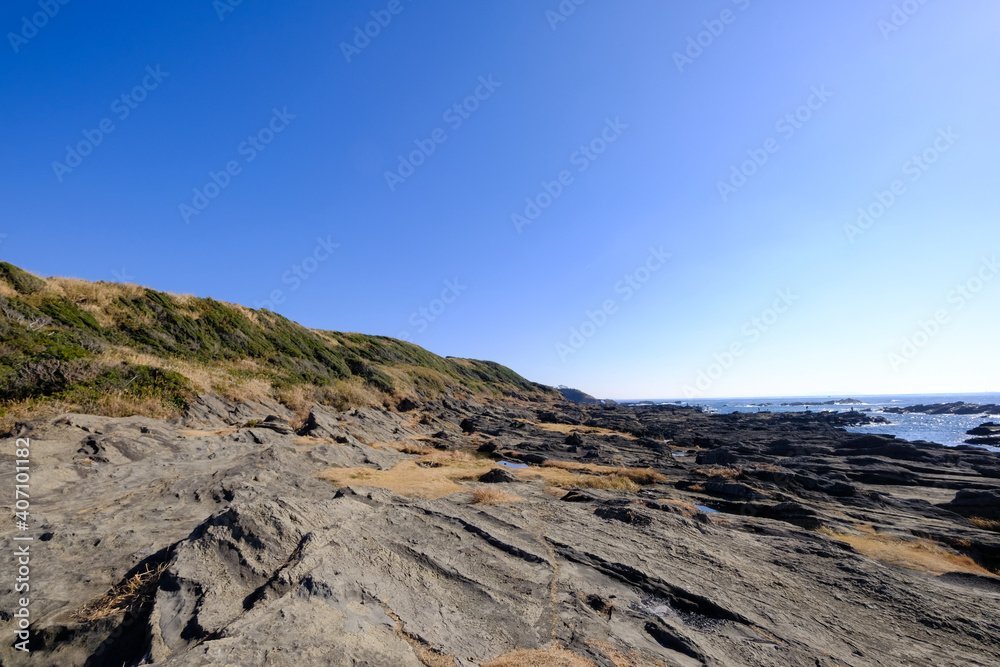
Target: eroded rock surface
column 258, row 561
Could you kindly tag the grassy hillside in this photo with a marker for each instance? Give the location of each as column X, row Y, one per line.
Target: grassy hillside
column 116, row 349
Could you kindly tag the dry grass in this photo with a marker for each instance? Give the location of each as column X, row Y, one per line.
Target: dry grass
column 986, row 524
column 633, row 659
column 116, row 404
column 433, row 475
column 11, row 413
column 574, row 428
column 550, row 657
column 556, row 476
column 685, row 508
column 921, row 555
column 96, row 298
column 736, row 472
column 406, row 447
column 720, row 472
column 493, row 496
column 131, row 595
column 638, row 475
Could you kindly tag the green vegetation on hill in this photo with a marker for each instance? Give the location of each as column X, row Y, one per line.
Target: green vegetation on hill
column 111, row 348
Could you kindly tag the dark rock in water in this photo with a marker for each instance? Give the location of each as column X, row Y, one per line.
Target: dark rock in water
column 497, row 476
column 989, row 428
column 986, row 434
column 956, row 408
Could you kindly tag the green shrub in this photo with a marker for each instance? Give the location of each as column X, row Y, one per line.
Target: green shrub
column 22, row 281
column 65, row 312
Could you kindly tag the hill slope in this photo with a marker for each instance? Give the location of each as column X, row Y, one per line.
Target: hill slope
column 117, row 349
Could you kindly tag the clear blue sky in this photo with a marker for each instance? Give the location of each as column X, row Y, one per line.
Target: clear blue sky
column 662, row 120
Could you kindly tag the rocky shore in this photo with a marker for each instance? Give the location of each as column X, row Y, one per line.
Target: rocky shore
column 245, row 534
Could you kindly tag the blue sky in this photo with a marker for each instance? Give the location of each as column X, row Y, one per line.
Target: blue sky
column 256, row 157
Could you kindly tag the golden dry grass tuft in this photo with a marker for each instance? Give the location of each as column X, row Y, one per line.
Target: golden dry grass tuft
column 575, row 428
column 685, row 508
column 129, row 596
column 550, row 657
column 563, row 478
column 642, row 476
column 986, row 524
column 632, row 659
column 493, row 496
column 921, row 555
column 433, row 475
column 720, row 472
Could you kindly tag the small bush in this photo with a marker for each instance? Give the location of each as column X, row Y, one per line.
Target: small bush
column 22, row 281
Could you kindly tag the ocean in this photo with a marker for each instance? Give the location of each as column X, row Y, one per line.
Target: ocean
column 949, row 430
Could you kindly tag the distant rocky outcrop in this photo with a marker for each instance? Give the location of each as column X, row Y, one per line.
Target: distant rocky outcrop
column 956, row 408
column 841, row 401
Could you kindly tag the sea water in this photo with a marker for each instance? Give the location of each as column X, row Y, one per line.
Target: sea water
column 949, row 430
